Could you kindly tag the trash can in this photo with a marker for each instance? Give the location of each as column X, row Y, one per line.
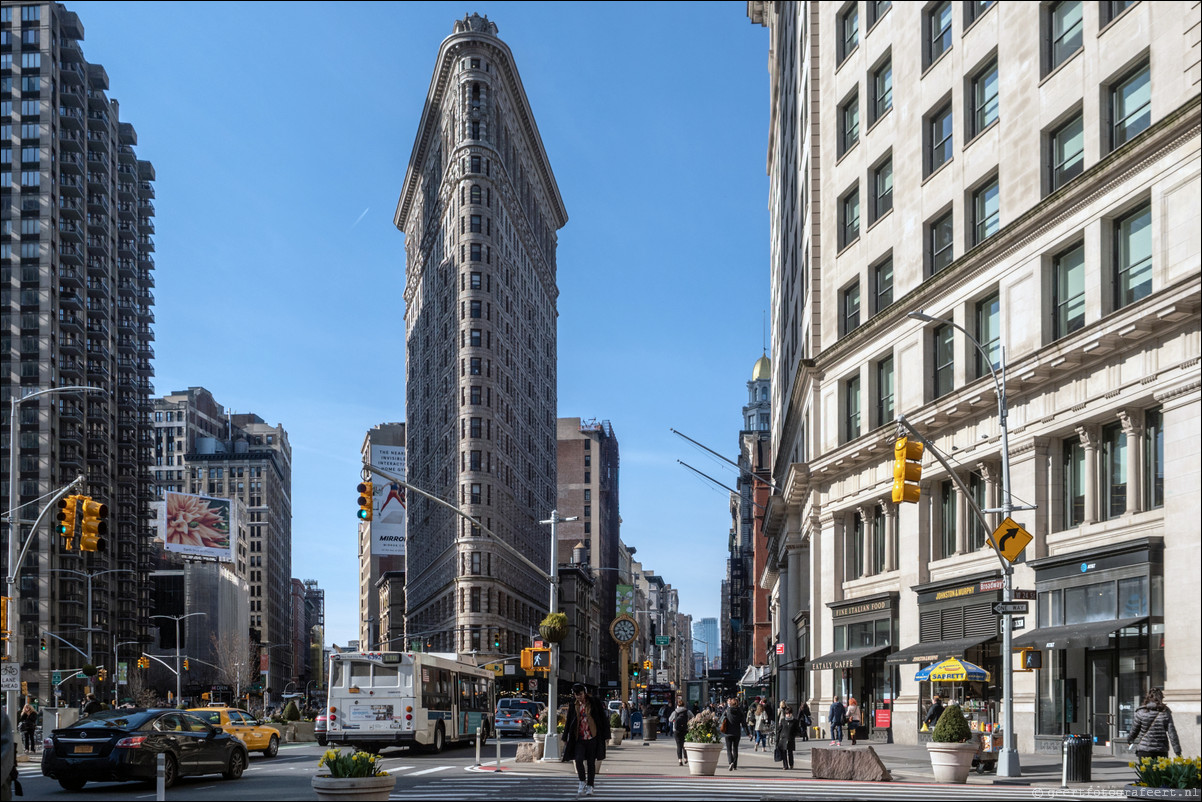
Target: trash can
column 650, row 728
column 1078, row 757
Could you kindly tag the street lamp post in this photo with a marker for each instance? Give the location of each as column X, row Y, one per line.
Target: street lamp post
column 178, row 675
column 87, row 575
column 551, row 745
column 16, row 642
column 116, row 672
column 1008, row 762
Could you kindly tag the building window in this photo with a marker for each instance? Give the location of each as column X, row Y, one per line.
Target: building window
column 945, row 365
column 878, row 540
column 1153, row 459
column 1114, row 461
column 877, row 9
column 474, row 338
column 849, row 30
column 1133, row 257
column 989, row 335
column 476, row 224
column 849, row 123
column 884, row 391
column 849, row 212
column 849, row 309
column 1072, row 467
column 475, row 600
column 940, row 243
column 477, row 254
column 939, row 31
column 882, row 183
column 1068, row 292
column 882, row 90
column 882, row 281
column 851, row 408
column 476, row 493
column 855, row 549
column 984, row 98
column 1131, row 106
column 985, row 208
column 1109, row 10
column 474, row 366
column 1064, row 31
column 476, row 194
column 939, row 137
column 475, row 162
column 947, row 518
column 976, row 529
column 1068, row 152
column 973, row 9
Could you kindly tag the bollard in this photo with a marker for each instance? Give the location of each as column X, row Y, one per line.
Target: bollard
column 479, row 732
column 498, row 753
column 160, row 774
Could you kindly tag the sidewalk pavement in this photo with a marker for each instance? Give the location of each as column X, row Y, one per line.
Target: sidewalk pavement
column 907, row 763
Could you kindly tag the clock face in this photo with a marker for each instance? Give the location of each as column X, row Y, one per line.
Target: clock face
column 624, row 630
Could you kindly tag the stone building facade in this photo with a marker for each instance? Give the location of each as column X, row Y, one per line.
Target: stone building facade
column 480, row 209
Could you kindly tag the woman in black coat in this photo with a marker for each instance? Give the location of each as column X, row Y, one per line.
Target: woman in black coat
column 584, row 736
column 786, row 733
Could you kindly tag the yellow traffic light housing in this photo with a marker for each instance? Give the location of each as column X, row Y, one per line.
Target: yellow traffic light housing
column 186, row 668
column 365, row 496
column 907, row 470
column 67, row 520
column 93, row 527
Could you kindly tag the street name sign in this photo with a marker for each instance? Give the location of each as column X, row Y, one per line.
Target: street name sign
column 662, row 640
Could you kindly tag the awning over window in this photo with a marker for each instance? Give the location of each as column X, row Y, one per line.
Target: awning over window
column 1094, row 635
column 754, row 676
column 848, row 658
column 933, row 651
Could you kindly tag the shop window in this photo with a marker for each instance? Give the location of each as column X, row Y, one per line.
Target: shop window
column 1050, row 609
column 1088, row 603
column 1133, row 597
column 1053, row 691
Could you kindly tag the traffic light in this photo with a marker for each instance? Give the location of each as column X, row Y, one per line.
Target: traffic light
column 4, row 617
column 66, row 520
column 496, row 640
column 186, row 665
column 93, row 527
column 907, row 470
column 1031, row 659
column 43, row 644
column 364, row 501
column 143, row 662
column 634, row 670
column 102, row 674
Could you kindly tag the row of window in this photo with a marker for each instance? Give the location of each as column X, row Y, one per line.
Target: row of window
column 28, row 13
column 29, row 61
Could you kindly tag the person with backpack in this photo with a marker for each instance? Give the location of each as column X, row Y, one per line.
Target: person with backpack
column 836, row 716
column 678, row 721
column 730, row 726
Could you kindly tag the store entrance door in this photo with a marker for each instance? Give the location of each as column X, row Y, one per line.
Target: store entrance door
column 1102, row 702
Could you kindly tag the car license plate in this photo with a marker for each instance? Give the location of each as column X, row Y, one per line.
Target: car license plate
column 84, row 750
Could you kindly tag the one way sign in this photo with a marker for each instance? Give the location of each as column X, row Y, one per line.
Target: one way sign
column 1010, row 539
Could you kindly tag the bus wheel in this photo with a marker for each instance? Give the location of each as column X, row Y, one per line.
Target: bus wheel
column 440, row 739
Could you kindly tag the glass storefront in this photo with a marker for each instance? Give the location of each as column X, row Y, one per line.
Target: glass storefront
column 865, row 632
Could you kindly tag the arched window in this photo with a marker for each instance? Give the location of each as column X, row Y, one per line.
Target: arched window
column 475, row 193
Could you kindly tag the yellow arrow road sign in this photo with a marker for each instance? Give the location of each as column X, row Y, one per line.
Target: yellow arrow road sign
column 1010, row 539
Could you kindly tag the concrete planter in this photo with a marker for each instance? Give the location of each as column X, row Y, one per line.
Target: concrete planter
column 298, row 731
column 951, row 762
column 353, row 789
column 703, row 758
column 616, row 735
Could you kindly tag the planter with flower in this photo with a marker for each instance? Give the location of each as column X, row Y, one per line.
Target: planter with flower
column 352, row 776
column 1161, row 778
column 616, row 731
column 540, row 730
column 554, row 627
column 952, row 747
column 703, row 743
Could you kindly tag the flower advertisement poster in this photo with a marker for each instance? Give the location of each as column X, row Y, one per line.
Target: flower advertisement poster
column 197, row 525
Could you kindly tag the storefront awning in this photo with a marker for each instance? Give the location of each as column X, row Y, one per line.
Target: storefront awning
column 755, row 675
column 1094, row 635
column 848, row 658
column 933, row 651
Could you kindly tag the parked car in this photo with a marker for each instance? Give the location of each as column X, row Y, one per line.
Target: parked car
column 257, row 736
column 121, row 745
column 614, row 706
column 514, row 720
column 520, row 703
column 320, row 726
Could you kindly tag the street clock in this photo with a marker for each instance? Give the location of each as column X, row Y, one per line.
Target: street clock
column 624, row 630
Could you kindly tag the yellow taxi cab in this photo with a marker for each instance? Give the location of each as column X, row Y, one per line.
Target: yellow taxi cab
column 243, row 726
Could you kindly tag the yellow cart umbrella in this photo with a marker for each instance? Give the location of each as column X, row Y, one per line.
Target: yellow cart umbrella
column 953, row 670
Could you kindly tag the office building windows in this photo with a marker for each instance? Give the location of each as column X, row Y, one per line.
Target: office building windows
column 1114, row 466
column 882, row 184
column 1130, row 106
column 882, row 280
column 947, row 519
column 974, row 9
column 976, row 530
column 1153, row 459
column 1133, row 257
column 984, row 98
column 849, row 123
column 882, row 90
column 884, row 391
column 849, row 214
column 939, row 138
column 1072, row 467
column 1067, row 152
column 849, row 310
column 849, row 30
column 939, row 31
column 1064, row 31
column 1068, row 291
column 944, row 358
column 851, row 408
column 939, row 243
column 989, row 334
column 985, row 208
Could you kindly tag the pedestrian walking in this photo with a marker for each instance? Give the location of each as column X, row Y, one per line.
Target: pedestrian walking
column 836, row 715
column 934, row 712
column 732, row 721
column 749, row 721
column 678, row 721
column 853, row 719
column 27, row 723
column 805, row 720
column 762, row 726
column 624, row 712
column 91, row 705
column 1153, row 730
column 585, row 734
column 786, row 737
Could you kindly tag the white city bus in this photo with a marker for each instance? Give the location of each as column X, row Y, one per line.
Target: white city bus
column 380, row 699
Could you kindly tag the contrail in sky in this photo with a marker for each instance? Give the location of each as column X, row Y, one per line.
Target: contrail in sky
column 365, row 211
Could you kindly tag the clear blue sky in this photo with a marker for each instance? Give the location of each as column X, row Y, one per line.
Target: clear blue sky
column 280, row 134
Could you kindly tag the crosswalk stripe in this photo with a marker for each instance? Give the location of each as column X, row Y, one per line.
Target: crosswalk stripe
column 429, row 771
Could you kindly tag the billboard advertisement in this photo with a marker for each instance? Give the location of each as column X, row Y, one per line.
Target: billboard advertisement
column 388, row 503
column 625, row 600
column 197, row 525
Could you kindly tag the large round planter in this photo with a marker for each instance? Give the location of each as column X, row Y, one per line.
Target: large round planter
column 616, row 734
column 951, row 762
column 703, row 758
column 1144, row 792
column 347, row 789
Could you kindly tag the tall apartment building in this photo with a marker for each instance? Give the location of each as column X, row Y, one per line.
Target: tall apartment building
column 588, row 472
column 480, row 210
column 201, row 448
column 382, row 542
column 76, row 262
column 705, row 641
column 1045, row 158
